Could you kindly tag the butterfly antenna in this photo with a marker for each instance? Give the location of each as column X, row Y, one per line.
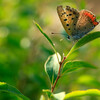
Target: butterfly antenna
column 55, row 33
column 58, row 33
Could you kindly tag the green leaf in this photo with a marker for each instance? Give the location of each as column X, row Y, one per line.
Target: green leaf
column 90, row 92
column 59, row 96
column 4, row 87
column 49, row 40
column 74, row 65
column 88, row 38
column 52, row 67
column 48, row 92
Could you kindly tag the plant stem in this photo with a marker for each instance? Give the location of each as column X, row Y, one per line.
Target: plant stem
column 58, row 76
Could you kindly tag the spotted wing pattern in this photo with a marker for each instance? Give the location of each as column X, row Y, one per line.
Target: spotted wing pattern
column 68, row 17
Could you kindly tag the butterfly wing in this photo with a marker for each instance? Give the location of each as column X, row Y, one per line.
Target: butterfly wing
column 69, row 18
column 86, row 22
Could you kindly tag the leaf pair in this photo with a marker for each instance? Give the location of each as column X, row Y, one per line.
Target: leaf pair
column 52, row 67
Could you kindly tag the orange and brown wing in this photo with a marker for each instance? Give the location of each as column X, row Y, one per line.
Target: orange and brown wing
column 86, row 22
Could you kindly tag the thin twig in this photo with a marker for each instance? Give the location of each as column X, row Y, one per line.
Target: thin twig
column 58, row 76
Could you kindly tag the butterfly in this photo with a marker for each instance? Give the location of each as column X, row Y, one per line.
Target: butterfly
column 76, row 23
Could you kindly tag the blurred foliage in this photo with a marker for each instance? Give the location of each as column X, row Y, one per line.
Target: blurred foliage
column 23, row 50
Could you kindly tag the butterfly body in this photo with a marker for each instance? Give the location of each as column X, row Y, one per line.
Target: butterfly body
column 76, row 23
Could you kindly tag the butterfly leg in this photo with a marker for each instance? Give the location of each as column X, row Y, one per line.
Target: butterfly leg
column 68, row 37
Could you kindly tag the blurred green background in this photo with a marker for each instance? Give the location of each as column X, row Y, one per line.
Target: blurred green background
column 24, row 50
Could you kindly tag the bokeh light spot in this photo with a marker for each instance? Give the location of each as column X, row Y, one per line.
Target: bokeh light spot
column 25, row 43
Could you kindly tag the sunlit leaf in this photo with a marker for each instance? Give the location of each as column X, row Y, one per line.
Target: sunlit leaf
column 88, row 38
column 59, row 96
column 52, row 67
column 90, row 92
column 74, row 65
column 4, row 87
column 42, row 97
